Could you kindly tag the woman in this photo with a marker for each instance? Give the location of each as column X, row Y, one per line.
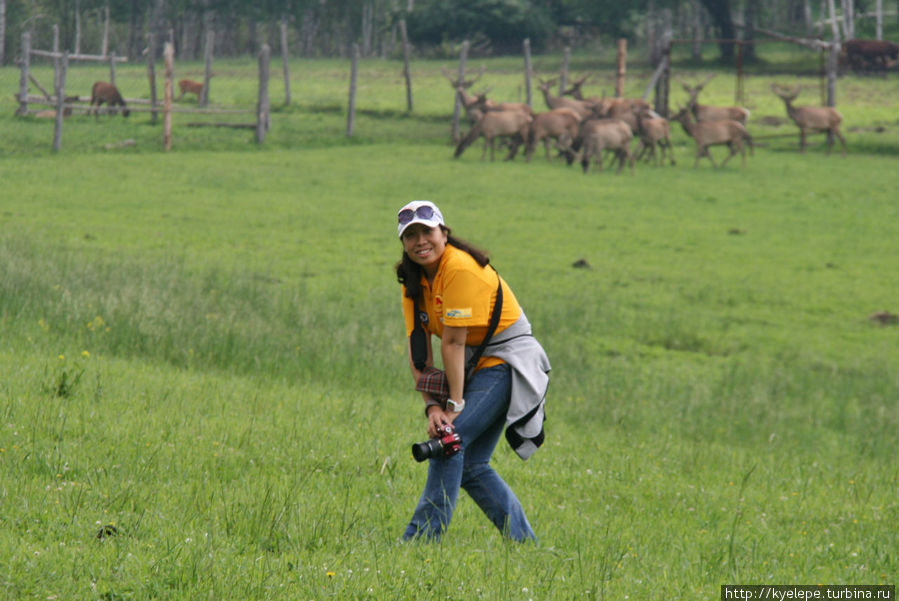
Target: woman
column 450, row 291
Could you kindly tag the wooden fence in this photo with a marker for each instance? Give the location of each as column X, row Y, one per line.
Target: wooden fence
column 64, row 104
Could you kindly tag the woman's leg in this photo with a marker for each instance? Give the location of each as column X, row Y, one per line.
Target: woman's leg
column 486, row 487
column 480, row 426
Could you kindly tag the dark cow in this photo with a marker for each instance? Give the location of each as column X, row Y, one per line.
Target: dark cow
column 108, row 93
column 873, row 55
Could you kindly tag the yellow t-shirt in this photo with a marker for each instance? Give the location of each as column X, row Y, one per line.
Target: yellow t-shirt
column 462, row 295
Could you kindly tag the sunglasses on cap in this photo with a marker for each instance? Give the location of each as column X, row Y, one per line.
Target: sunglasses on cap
column 422, row 212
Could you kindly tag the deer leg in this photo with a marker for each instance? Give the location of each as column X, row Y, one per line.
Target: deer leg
column 801, row 140
column 515, row 144
column 837, row 133
column 732, row 152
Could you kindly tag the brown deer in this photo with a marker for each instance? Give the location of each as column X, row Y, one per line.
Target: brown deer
column 472, row 104
column 103, row 91
column 189, row 85
column 606, row 107
column 583, row 108
column 653, row 131
column 51, row 113
column 712, row 133
column 559, row 124
column 497, row 124
column 596, row 135
column 811, row 119
column 492, row 105
column 704, row 112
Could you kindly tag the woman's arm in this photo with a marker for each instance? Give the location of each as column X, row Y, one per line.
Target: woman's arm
column 452, row 350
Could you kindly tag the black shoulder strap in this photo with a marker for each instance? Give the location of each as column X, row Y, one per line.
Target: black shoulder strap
column 491, row 329
column 418, row 340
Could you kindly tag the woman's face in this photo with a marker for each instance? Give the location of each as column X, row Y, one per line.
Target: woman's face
column 425, row 245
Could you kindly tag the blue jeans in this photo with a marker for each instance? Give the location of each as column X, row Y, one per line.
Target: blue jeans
column 479, row 425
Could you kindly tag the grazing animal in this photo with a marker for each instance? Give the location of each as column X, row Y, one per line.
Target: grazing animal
column 811, row 118
column 596, row 135
column 473, row 105
column 864, row 55
column 711, row 133
column 653, row 131
column 51, row 113
column 606, row 107
column 497, row 124
column 559, row 124
column 492, row 105
column 189, row 85
column 106, row 92
column 583, row 108
column 704, row 112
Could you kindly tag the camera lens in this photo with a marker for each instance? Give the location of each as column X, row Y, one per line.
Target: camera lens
column 426, row 450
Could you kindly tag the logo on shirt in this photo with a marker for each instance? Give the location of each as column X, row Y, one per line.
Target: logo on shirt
column 458, row 313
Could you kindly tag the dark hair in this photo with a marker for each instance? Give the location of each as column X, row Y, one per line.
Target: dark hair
column 408, row 272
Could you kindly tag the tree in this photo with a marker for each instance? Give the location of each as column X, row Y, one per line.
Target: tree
column 2, row 31
column 719, row 10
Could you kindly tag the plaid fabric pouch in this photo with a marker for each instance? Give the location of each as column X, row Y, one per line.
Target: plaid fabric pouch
column 433, row 381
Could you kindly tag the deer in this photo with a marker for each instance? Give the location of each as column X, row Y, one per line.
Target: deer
column 189, row 85
column 583, row 108
column 603, row 104
column 496, row 124
column 561, row 124
column 51, row 113
column 596, row 135
column 711, row 133
column 811, row 118
column 492, row 105
column 103, row 91
column 703, row 112
column 653, row 131
column 474, row 105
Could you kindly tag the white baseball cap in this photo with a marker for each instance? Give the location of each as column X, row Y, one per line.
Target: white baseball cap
column 418, row 211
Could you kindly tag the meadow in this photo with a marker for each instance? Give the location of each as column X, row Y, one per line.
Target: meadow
column 205, row 392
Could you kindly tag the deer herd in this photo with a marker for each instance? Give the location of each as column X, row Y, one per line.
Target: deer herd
column 581, row 128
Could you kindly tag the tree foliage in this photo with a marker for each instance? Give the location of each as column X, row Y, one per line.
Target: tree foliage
column 331, row 27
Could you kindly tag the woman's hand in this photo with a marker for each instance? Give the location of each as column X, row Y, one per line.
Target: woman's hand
column 437, row 419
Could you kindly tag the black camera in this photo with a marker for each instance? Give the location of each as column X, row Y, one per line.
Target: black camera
column 447, row 444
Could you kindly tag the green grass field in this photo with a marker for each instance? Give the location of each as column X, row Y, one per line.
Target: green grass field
column 203, row 349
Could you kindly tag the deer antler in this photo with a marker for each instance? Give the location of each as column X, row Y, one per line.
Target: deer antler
column 707, row 80
column 786, row 93
column 463, row 83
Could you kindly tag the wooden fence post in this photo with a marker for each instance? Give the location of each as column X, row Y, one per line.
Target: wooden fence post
column 262, row 107
column 151, row 73
column 204, row 93
column 563, row 76
column 104, row 45
column 56, row 56
column 112, row 67
column 663, row 85
column 351, row 113
column 60, row 102
column 406, row 72
column 457, row 103
column 23, row 76
column 622, row 67
column 169, row 56
column 285, row 61
column 527, row 71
